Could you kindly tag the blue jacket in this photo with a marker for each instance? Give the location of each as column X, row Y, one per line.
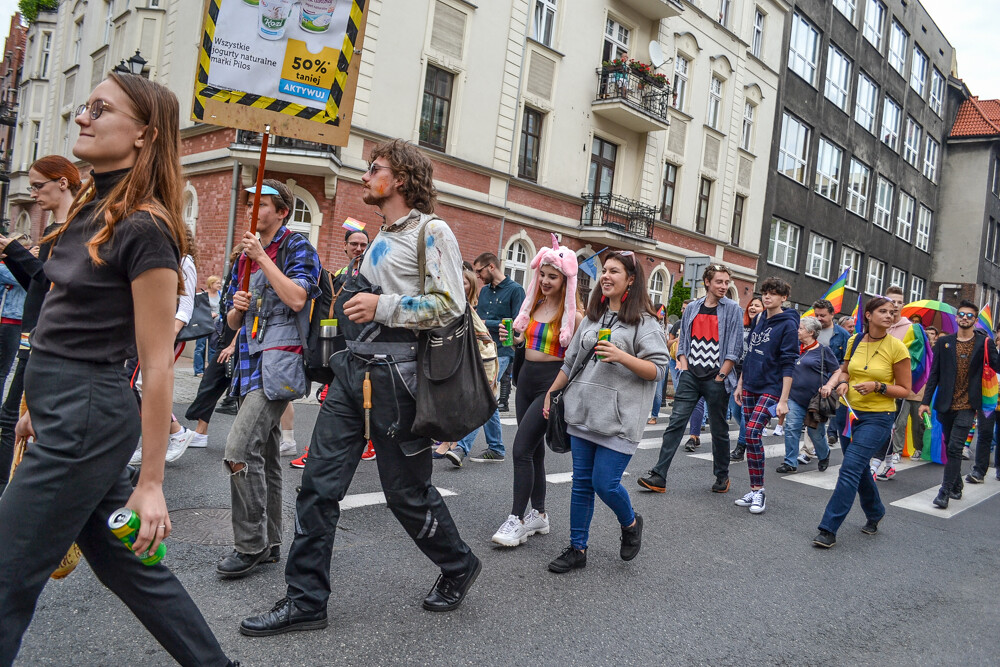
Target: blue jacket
column 774, row 349
column 730, row 317
column 13, row 294
column 812, row 370
column 496, row 303
column 838, row 343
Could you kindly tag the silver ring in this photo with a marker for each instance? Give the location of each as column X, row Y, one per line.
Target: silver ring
column 163, row 525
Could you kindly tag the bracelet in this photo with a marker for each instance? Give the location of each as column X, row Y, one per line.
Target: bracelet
column 881, row 387
column 841, row 382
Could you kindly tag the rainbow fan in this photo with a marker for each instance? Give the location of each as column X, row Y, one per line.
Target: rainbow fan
column 921, row 355
column 990, row 387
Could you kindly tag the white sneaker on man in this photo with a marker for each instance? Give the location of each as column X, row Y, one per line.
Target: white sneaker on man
column 511, row 533
column 198, row 441
column 779, row 430
column 536, row 523
column 136, row 459
column 288, row 448
column 178, row 444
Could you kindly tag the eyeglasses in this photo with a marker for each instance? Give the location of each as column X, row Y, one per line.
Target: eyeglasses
column 358, row 244
column 35, row 187
column 97, row 107
column 373, row 168
column 966, row 316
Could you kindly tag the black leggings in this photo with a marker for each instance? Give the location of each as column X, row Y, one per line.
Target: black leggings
column 533, row 382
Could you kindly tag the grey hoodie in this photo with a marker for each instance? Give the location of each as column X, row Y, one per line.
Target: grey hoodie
column 607, row 403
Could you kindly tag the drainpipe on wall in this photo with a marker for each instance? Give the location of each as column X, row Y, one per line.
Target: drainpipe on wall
column 231, row 227
column 513, row 133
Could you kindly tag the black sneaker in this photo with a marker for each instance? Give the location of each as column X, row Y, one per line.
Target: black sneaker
column 503, row 407
column 738, row 453
column 227, row 408
column 569, row 559
column 955, row 495
column 456, row 456
column 488, row 456
column 692, row 444
column 274, row 556
column 823, row 464
column 448, row 592
column 784, row 467
column 283, row 617
column 721, row 484
column 238, row 564
column 825, row 539
column 973, row 478
column 831, row 438
column 653, row 481
column 631, row 539
column 941, row 501
column 870, row 527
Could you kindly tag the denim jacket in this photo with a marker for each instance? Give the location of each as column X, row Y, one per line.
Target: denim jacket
column 13, row 296
column 730, row 317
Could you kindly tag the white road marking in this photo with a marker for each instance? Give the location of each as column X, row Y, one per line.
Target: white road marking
column 828, row 478
column 355, row 500
column 770, row 451
column 559, row 477
column 972, row 495
column 508, row 421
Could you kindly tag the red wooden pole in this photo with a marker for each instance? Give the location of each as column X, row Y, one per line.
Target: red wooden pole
column 256, row 199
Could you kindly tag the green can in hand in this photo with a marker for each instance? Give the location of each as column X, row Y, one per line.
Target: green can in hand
column 927, row 420
column 603, row 334
column 124, row 523
column 508, row 324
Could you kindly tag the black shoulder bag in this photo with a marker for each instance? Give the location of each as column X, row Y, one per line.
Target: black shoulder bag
column 556, row 436
column 202, row 324
column 453, row 393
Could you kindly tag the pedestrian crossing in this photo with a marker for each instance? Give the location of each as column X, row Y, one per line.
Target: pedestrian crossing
column 355, row 500
column 828, row 478
column 972, row 495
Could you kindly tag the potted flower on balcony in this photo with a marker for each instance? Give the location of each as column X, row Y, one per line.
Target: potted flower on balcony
column 615, row 65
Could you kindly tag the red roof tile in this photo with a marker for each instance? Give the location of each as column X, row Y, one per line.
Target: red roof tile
column 977, row 118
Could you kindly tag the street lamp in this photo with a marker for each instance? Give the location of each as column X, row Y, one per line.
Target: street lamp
column 133, row 65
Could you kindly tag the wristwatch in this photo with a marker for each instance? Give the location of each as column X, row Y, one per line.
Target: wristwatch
column 721, row 376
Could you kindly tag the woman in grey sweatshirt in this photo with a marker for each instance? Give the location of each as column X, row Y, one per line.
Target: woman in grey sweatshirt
column 605, row 405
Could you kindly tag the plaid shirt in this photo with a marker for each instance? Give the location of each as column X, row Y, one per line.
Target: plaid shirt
column 302, row 265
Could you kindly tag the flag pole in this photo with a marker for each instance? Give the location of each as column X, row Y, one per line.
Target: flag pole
column 245, row 286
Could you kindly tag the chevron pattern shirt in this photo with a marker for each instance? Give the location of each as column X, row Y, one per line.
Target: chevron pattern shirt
column 704, row 359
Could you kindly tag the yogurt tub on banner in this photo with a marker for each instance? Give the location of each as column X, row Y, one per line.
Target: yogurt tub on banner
column 273, row 15
column 315, row 15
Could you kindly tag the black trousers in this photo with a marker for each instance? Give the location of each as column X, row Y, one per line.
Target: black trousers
column 70, row 481
column 9, row 414
column 533, row 382
column 955, row 426
column 214, row 384
column 984, row 439
column 689, row 389
column 404, row 468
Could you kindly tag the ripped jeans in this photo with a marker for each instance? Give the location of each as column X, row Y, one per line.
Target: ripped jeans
column 256, row 488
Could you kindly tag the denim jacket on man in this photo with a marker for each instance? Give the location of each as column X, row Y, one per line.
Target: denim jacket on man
column 730, row 317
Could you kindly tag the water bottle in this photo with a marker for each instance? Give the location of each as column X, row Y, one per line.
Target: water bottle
column 327, row 335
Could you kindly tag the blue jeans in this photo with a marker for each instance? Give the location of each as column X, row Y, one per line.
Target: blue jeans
column 794, row 423
column 737, row 413
column 658, row 396
column 199, row 355
column 494, row 436
column 597, row 470
column 868, row 436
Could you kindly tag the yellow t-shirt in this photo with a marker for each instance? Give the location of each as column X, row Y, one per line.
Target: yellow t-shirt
column 873, row 361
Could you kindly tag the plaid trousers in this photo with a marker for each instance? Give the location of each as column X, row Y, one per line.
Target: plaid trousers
column 756, row 413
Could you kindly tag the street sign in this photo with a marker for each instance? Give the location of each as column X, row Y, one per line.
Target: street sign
column 694, row 267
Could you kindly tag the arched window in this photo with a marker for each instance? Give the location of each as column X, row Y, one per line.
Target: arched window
column 306, row 216
column 23, row 224
column 583, row 286
column 301, row 218
column 657, row 282
column 190, row 209
column 516, row 263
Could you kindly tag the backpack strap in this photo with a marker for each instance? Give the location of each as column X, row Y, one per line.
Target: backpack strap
column 857, row 341
column 422, row 247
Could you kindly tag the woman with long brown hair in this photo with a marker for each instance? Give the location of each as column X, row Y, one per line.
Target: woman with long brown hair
column 114, row 272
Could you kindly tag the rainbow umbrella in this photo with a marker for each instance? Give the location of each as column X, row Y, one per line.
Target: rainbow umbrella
column 930, row 310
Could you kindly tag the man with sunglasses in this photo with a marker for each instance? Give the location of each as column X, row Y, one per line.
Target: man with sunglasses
column 957, row 377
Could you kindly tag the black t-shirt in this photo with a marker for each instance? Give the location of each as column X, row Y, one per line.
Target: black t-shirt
column 88, row 314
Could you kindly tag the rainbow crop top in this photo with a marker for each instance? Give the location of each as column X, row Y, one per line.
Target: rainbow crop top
column 544, row 337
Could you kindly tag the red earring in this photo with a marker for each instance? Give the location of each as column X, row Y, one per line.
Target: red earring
column 604, row 298
column 624, row 296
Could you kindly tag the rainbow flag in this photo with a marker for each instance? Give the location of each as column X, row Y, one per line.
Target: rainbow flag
column 990, row 386
column 859, row 325
column 851, row 418
column 835, row 294
column 354, row 225
column 921, row 355
column 985, row 321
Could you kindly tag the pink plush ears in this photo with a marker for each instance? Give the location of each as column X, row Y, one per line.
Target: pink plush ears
column 555, row 242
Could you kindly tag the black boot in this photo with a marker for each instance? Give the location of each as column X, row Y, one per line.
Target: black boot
column 738, row 452
column 631, row 539
column 942, row 499
column 502, row 401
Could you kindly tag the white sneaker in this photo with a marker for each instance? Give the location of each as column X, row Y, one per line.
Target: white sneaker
column 894, row 459
column 745, row 501
column 136, row 459
column 178, row 444
column 536, row 523
column 288, row 448
column 198, row 440
column 966, row 453
column 758, row 505
column 766, row 432
column 804, row 458
column 917, row 454
column 511, row 533
column 779, row 430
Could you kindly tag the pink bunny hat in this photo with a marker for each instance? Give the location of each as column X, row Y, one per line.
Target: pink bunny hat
column 563, row 260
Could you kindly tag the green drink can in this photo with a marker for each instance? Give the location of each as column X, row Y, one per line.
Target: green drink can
column 125, row 523
column 603, row 334
column 927, row 420
column 508, row 324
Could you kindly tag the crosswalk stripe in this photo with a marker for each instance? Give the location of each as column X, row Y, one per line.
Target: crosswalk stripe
column 559, row 477
column 356, row 500
column 828, row 478
column 972, row 495
column 508, row 421
column 770, row 451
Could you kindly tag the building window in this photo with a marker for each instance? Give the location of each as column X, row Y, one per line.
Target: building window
column 46, row 53
column 846, row 8
column 436, row 108
column 669, row 186
column 989, row 250
column 917, row 287
column 866, row 102
column 838, row 77
column 876, row 276
column 725, row 9
column 190, row 209
column 757, row 39
column 820, row 257
column 930, row 160
column 850, row 259
column 531, row 144
column 829, row 161
column 803, row 49
column 736, row 230
column 602, row 166
column 77, row 40
column 937, row 91
column 36, row 131
column 923, row 240
column 544, row 21
column 874, row 23
column 891, row 115
column 301, row 218
column 897, row 277
column 704, row 199
column 515, row 264
column 904, row 220
column 783, row 245
column 109, row 19
column 918, row 71
column 714, row 103
column 792, row 151
column 583, row 285
column 996, row 177
column 656, row 285
column 897, row 47
column 680, row 82
column 884, row 193
column 857, row 188
column 746, row 138
column 911, row 149
column 616, row 38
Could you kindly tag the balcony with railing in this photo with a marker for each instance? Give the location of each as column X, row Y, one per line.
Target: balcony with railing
column 633, row 99
column 285, row 145
column 655, row 9
column 604, row 213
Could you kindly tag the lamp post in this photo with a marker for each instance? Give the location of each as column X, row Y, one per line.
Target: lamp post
column 134, row 65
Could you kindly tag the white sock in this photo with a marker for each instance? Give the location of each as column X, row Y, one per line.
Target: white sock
column 288, row 436
column 875, row 464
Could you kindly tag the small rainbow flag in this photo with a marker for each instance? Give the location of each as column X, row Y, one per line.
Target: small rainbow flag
column 851, row 418
column 990, row 386
column 919, row 345
column 835, row 294
column 354, row 225
column 859, row 325
column 662, row 312
column 985, row 321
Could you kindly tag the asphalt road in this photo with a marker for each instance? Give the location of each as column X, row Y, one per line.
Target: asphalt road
column 712, row 585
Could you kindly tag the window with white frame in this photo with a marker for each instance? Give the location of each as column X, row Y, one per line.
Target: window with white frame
column 923, row 240
column 301, row 218
column 838, row 77
column 884, row 194
column 190, row 210
column 891, row 115
column 46, row 53
column 874, row 23
column 803, row 49
column 783, row 246
column 656, row 284
column 725, row 11
column 681, row 65
column 917, row 288
column 714, row 103
column 109, row 19
column 616, row 40
column 829, row 162
column 515, row 264
column 850, row 259
column 897, row 277
column 77, row 40
column 937, row 91
column 897, row 47
column 544, row 21
column 757, row 38
column 858, row 179
column 918, row 71
column 931, row 159
column 996, row 177
column 866, row 102
column 36, row 133
column 876, row 276
column 904, row 219
column 911, row 147
column 793, row 149
column 846, row 7
column 746, row 137
column 820, row 257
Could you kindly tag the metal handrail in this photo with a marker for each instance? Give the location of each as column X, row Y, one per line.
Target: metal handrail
column 640, row 92
column 617, row 212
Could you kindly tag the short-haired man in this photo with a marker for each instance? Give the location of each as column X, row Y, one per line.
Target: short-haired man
column 499, row 298
column 711, row 340
column 272, row 320
column 957, row 376
column 391, row 302
column 834, row 337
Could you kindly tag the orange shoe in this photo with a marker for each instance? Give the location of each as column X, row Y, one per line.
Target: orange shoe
column 369, row 454
column 301, row 461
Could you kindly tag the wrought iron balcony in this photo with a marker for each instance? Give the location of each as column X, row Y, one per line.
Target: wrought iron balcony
column 8, row 114
column 284, row 144
column 637, row 101
column 618, row 213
